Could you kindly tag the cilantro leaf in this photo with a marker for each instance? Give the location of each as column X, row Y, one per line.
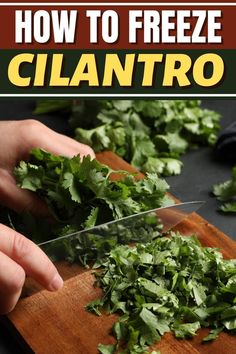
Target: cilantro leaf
column 226, row 193
column 213, row 334
column 106, row 349
column 185, row 330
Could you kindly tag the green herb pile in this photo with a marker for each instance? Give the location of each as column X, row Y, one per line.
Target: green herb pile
column 170, row 284
column 163, row 284
column 151, row 134
column 226, row 193
column 80, row 193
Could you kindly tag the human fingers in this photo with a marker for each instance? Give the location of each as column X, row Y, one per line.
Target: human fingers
column 35, row 134
column 63, row 145
column 30, row 257
column 12, row 278
column 18, row 199
column 28, row 134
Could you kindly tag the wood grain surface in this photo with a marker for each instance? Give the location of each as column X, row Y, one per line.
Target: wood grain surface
column 58, row 322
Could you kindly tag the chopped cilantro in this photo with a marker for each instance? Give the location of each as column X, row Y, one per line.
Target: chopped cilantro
column 106, row 349
column 170, row 284
column 150, row 134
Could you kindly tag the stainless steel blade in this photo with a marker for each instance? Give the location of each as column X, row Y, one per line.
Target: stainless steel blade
column 94, row 243
column 167, row 217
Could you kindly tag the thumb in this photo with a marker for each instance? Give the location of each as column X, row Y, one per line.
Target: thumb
column 19, row 199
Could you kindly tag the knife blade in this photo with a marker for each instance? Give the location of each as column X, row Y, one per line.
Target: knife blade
column 141, row 227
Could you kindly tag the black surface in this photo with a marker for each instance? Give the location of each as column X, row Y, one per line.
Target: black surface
column 201, row 170
column 7, row 343
column 226, row 143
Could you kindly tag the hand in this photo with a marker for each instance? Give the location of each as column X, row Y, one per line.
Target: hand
column 18, row 257
column 17, row 139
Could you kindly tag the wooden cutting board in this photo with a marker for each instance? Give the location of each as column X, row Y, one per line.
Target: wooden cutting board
column 58, row 322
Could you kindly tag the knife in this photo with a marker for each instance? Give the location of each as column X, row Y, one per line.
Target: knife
column 141, row 227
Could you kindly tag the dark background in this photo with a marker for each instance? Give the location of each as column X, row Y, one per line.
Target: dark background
column 201, row 170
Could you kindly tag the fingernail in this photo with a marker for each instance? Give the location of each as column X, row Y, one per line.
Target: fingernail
column 57, row 283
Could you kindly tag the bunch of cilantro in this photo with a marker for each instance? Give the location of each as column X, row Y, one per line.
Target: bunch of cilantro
column 80, row 194
column 170, row 284
column 226, row 193
column 151, row 134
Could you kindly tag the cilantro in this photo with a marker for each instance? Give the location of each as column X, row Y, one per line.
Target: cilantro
column 226, row 193
column 169, row 284
column 151, row 135
column 80, row 195
column 50, row 106
column 213, row 334
column 185, row 330
column 106, row 349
